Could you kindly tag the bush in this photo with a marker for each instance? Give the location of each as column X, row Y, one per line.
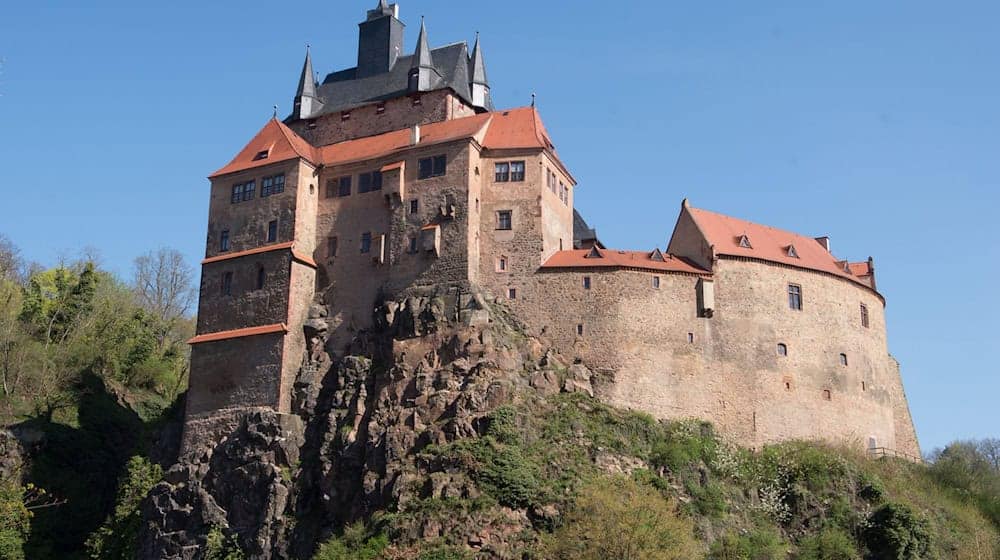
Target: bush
column 830, row 544
column 895, row 532
column 117, row 537
column 756, row 545
column 220, row 547
column 617, row 518
column 14, row 520
column 444, row 553
column 357, row 543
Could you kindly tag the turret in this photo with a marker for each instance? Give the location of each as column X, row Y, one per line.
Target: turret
column 479, row 84
column 423, row 75
column 380, row 40
column 306, row 100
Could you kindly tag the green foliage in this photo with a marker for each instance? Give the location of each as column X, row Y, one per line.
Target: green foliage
column 502, row 425
column 118, row 536
column 220, row 547
column 759, row 544
column 14, row 520
column 616, row 518
column 444, row 553
column 972, row 470
column 895, row 532
column 829, row 544
column 358, row 542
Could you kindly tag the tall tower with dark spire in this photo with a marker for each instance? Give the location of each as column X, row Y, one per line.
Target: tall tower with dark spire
column 479, row 84
column 306, row 100
column 380, row 40
column 423, row 74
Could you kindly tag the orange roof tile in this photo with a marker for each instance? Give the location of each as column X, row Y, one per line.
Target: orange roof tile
column 239, row 333
column 517, row 128
column 281, row 143
column 577, row 258
column 860, row 269
column 385, row 144
column 766, row 243
column 254, row 251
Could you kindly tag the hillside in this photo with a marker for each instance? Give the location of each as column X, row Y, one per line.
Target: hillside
column 446, row 433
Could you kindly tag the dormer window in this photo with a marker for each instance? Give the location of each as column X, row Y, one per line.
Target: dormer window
column 593, row 254
column 792, row 252
column 261, row 155
column 345, row 115
column 744, row 242
column 380, row 108
column 656, row 255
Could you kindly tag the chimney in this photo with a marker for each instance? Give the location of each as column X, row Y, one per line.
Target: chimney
column 825, row 242
column 415, row 135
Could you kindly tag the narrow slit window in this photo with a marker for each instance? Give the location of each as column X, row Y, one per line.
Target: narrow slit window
column 690, row 338
column 414, row 206
column 579, row 329
column 331, row 247
column 261, row 278
column 586, row 282
column 227, row 283
column 656, row 282
column 864, row 316
column 843, row 359
column 782, row 349
column 224, row 240
column 366, row 242
column 502, row 264
column 272, row 231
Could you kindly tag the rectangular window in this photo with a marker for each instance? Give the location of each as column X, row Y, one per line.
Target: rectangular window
column 380, row 108
column 864, row 316
column 413, row 244
column 502, row 264
column 512, row 293
column 261, row 277
column 331, row 188
column 368, row 182
column 502, row 172
column 243, row 192
column 517, row 171
column 563, row 193
column 272, row 185
column 227, row 283
column 552, row 181
column 432, row 167
column 579, row 330
column 504, row 220
column 366, row 242
column 795, row 297
column 224, row 240
column 331, row 246
column 656, row 282
column 586, row 282
column 344, row 186
column 414, row 206
column 272, row 231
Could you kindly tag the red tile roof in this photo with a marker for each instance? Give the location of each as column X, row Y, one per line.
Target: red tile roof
column 278, row 140
column 239, row 333
column 517, row 128
column 577, row 258
column 767, row 243
column 304, row 259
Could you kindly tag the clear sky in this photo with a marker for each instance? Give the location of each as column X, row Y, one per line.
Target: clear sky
column 875, row 123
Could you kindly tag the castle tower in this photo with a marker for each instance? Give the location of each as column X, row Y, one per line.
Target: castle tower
column 306, row 101
column 380, row 40
column 423, row 76
column 479, row 85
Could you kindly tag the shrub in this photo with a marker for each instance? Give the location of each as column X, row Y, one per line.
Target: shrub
column 617, row 518
column 220, row 547
column 117, row 537
column 503, row 425
column 444, row 553
column 357, row 543
column 895, row 532
column 830, row 544
column 14, row 520
column 757, row 545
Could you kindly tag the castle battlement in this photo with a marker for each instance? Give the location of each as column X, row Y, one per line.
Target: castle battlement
column 399, row 175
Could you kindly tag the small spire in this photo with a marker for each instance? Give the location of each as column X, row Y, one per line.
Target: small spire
column 275, row 114
column 422, row 56
column 532, row 99
column 478, row 71
column 307, row 84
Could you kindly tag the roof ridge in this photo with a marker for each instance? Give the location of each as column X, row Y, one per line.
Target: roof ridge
column 285, row 131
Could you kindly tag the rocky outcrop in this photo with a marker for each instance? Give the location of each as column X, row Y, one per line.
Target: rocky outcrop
column 429, row 373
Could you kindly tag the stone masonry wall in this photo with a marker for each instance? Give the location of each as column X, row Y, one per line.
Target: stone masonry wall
column 398, row 113
column 235, row 373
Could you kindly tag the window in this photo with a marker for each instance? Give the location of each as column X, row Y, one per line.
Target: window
column 261, row 276
column 586, row 282
column 509, row 171
column 512, row 293
column 795, row 297
column 432, row 167
column 224, row 240
column 579, row 330
column 345, row 115
column 502, row 264
column 227, row 283
column 782, row 349
column 864, row 316
column 502, row 173
column 331, row 246
column 827, row 395
column 656, row 282
column 272, row 185
column 551, row 180
column 504, row 220
column 843, row 359
column 261, row 155
column 366, row 242
column 563, row 193
column 414, row 206
column 788, row 386
column 368, row 182
column 344, row 186
column 272, row 231
column 864, row 386
column 413, row 244
column 690, row 338
column 517, row 171
column 380, row 108
column 243, row 192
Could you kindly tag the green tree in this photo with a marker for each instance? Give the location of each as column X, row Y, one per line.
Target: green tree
column 118, row 536
column 896, row 532
column 618, row 519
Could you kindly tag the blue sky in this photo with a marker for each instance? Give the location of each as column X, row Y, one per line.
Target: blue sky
column 875, row 123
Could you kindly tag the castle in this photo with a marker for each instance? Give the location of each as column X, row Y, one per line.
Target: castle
column 398, row 175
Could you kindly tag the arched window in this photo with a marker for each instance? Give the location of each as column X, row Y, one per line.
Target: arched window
column 843, row 359
column 782, row 349
column 827, row 395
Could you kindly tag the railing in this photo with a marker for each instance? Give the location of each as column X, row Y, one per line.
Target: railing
column 883, row 452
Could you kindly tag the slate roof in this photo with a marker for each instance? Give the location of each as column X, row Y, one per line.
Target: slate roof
column 583, row 232
column 341, row 91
